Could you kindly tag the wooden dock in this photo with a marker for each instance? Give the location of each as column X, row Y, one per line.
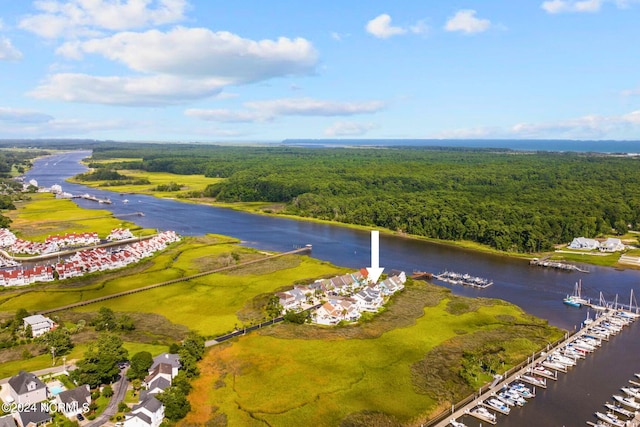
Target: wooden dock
column 466, row 407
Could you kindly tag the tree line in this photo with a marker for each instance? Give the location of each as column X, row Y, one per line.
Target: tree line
column 508, row 200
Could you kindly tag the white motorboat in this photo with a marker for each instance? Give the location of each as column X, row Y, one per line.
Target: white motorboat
column 627, row 401
column 610, row 418
column 455, row 423
column 498, row 405
column 483, row 413
column 632, row 391
column 619, row 409
column 512, row 396
column 567, row 361
column 522, row 390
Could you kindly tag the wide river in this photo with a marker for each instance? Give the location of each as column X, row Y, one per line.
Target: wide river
column 571, row 401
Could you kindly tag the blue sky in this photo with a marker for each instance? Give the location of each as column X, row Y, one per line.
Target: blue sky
column 255, row 70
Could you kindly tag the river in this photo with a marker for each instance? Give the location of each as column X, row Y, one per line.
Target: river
column 571, row 401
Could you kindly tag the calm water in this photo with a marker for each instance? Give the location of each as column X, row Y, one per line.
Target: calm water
column 569, row 402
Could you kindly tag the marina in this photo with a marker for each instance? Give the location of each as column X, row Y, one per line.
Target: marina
column 463, row 279
column 511, row 392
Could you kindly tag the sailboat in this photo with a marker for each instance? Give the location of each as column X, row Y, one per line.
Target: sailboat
column 576, row 299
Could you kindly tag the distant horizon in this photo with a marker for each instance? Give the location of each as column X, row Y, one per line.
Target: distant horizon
column 551, row 145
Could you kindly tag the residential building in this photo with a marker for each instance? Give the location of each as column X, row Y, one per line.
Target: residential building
column 73, row 402
column 39, row 324
column 25, row 388
column 148, row 413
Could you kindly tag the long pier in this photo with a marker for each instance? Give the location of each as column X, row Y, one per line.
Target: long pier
column 545, row 262
column 465, row 407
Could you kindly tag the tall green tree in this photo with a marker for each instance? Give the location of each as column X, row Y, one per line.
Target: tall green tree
column 100, row 362
column 139, row 366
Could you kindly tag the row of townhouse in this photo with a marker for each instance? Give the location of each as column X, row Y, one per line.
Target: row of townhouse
column 27, row 276
column 120, row 234
column 89, row 261
column 345, row 297
column 99, row 259
column 11, row 243
column 73, row 239
column 370, row 298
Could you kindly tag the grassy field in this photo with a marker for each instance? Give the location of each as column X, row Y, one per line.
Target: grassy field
column 188, row 183
column 303, row 375
column 45, row 215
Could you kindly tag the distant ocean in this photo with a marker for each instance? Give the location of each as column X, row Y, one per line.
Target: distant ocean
column 629, row 147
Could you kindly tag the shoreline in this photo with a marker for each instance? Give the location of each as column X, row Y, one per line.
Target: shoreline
column 259, row 209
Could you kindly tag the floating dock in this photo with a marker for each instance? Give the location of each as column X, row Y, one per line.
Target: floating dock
column 544, row 262
column 463, row 279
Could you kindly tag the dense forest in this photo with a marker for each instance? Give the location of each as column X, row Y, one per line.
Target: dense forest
column 510, row 200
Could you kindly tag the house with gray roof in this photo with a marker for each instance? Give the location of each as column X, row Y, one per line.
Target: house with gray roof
column 148, row 413
column 26, row 388
column 73, row 402
column 35, row 416
column 167, row 358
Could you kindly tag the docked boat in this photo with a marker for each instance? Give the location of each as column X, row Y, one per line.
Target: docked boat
column 576, row 299
column 522, row 390
column 567, row 361
column 455, row 423
column 619, row 409
column 499, row 406
column 627, row 401
column 535, row 381
column 483, row 414
column 610, row 418
column 512, row 396
column 543, row 372
column 554, row 365
column 632, row 391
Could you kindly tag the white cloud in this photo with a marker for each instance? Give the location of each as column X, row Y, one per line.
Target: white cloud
column 176, row 66
column 138, row 91
column 16, row 115
column 85, row 17
column 465, row 21
column 314, row 107
column 227, row 116
column 200, row 52
column 343, row 128
column 7, row 51
column 262, row 111
column 381, row 27
column 582, row 6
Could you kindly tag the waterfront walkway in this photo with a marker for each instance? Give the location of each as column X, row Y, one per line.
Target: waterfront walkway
column 485, row 393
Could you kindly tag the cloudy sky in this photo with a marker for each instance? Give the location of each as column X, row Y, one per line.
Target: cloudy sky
column 256, row 70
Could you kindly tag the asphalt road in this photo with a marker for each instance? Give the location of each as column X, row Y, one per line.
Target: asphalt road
column 119, row 391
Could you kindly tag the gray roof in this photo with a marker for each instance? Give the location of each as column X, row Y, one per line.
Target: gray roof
column 34, row 415
column 19, row 382
column 144, row 417
column 160, row 383
column 37, row 318
column 80, row 394
column 170, row 358
column 151, row 404
column 7, row 421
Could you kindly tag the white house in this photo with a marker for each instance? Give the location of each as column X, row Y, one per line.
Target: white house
column 612, row 244
column 167, row 358
column 584, row 243
column 148, row 413
column 73, row 402
column 39, row 324
column 26, row 389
